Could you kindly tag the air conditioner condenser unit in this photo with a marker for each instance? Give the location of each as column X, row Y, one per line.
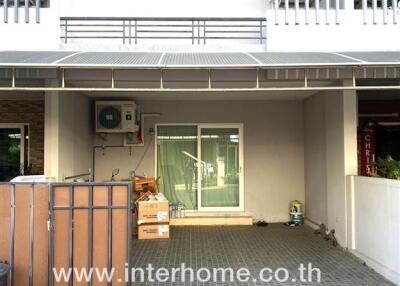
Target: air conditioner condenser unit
column 116, row 117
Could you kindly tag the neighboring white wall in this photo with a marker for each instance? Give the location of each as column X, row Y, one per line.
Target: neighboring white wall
column 68, row 135
column 374, row 223
column 350, row 35
column 30, row 36
column 273, row 148
column 337, row 157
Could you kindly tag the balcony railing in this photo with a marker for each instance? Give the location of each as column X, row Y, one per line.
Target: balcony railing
column 329, row 11
column 15, row 5
column 197, row 31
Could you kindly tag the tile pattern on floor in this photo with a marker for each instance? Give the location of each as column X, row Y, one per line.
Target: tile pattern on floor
column 254, row 248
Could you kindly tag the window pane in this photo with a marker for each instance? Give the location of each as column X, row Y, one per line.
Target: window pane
column 10, row 154
column 220, row 167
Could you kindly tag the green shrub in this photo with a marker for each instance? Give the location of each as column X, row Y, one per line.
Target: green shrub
column 387, row 168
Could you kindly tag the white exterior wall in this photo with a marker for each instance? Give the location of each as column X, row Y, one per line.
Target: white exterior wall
column 374, row 220
column 273, row 148
column 331, row 152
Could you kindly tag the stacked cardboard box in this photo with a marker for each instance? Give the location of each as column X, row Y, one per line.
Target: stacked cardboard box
column 152, row 217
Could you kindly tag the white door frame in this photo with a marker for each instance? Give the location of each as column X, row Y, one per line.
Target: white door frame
column 20, row 126
column 200, row 126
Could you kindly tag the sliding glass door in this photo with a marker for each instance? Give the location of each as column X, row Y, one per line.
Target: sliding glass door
column 200, row 166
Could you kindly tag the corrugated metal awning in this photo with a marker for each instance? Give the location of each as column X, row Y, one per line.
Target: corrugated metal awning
column 31, row 58
column 195, row 59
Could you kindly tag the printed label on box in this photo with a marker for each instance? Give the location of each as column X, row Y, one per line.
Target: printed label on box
column 163, row 229
column 162, row 215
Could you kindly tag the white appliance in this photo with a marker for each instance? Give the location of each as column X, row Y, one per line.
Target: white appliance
column 116, row 117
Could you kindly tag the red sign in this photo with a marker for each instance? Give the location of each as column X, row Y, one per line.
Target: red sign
column 367, row 149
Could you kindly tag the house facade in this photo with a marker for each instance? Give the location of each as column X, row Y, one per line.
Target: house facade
column 241, row 106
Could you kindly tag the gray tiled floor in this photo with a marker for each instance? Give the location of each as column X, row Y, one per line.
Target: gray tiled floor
column 254, row 248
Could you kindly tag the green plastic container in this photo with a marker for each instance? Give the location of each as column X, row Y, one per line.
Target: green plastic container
column 297, row 218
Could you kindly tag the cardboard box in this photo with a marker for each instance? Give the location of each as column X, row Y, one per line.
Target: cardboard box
column 134, row 224
column 145, row 184
column 153, row 231
column 153, row 212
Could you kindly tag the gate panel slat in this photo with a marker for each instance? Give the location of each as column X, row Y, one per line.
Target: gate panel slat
column 100, row 230
column 22, row 241
column 100, row 196
column 100, row 233
column 5, row 216
column 120, row 195
column 61, row 246
column 119, row 252
column 61, row 196
column 120, row 232
column 81, row 230
column 40, row 247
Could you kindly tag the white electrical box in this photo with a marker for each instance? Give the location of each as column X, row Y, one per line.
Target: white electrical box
column 116, row 117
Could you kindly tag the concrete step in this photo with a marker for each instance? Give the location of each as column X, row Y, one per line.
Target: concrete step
column 212, row 220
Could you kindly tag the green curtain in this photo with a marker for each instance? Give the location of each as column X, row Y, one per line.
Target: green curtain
column 176, row 164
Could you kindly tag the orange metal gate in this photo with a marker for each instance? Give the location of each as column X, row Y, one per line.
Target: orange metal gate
column 46, row 226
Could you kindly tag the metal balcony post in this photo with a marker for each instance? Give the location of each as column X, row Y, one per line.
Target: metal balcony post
column 123, row 32
column 130, row 31
column 317, row 12
column 365, row 9
column 66, row 31
column 385, row 10
column 136, row 32
column 337, row 9
column 26, row 11
column 286, row 12
column 192, row 32
column 16, row 16
column 204, row 31
column 307, row 10
column 327, row 10
column 374, row 8
column 198, row 32
column 5, row 11
column 37, row 7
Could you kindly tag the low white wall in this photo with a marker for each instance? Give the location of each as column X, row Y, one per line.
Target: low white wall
column 374, row 223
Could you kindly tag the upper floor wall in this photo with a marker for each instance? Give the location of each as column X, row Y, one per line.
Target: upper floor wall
column 277, row 25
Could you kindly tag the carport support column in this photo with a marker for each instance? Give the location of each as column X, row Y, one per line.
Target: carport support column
column 68, row 134
column 341, row 156
column 51, row 134
column 60, row 114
